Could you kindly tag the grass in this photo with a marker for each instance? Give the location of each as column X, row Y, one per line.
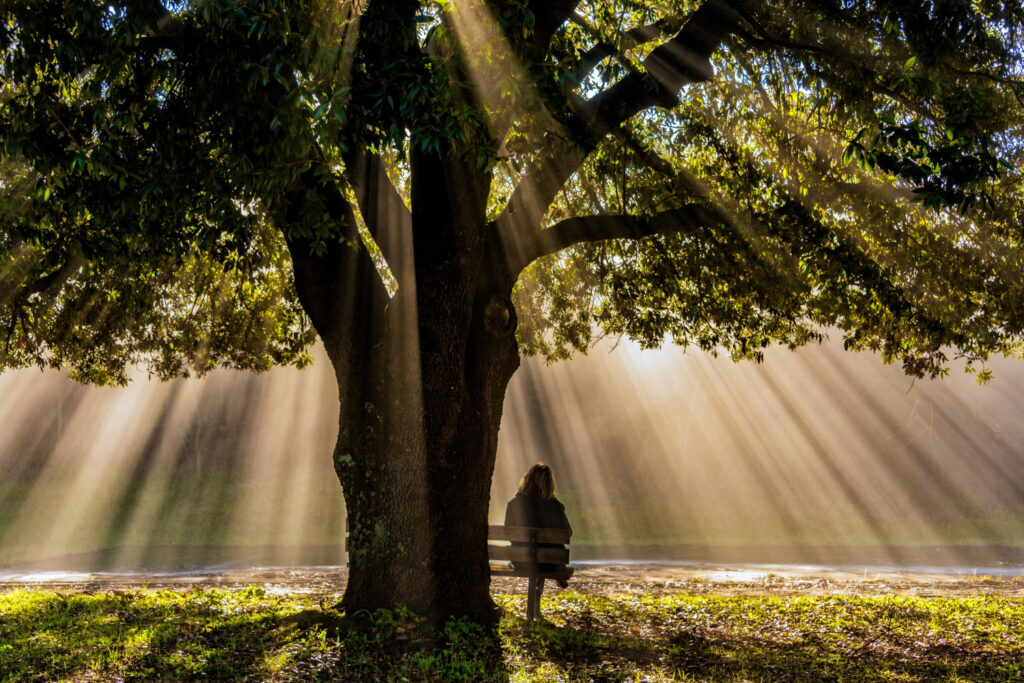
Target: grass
column 253, row 635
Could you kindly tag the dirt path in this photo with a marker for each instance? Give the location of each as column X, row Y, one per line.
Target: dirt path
column 661, row 579
column 597, row 579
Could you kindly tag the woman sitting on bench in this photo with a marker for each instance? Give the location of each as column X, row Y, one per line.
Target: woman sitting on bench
column 535, row 505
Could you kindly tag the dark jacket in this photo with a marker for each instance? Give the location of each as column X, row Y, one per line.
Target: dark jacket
column 539, row 512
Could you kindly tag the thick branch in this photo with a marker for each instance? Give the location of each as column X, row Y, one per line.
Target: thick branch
column 690, row 218
column 627, row 40
column 683, row 59
column 335, row 278
column 337, row 284
column 548, row 15
column 686, row 58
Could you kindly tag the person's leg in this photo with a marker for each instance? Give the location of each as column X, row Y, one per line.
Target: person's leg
column 531, row 589
column 533, row 593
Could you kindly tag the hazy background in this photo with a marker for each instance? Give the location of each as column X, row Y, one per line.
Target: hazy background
column 815, row 456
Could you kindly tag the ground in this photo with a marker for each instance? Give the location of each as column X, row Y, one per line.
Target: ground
column 615, row 622
column 590, row 579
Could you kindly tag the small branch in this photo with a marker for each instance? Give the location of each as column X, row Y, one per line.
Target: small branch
column 10, row 334
column 763, row 38
column 657, row 163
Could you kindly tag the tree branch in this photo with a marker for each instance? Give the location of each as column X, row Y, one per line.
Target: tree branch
column 764, row 39
column 335, row 277
column 680, row 182
column 337, row 284
column 683, row 59
column 548, row 15
column 846, row 57
column 627, row 40
column 17, row 294
column 686, row 58
column 690, row 218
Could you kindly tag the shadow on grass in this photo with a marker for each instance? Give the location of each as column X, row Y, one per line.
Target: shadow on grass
column 229, row 636
column 582, row 651
column 250, row 635
column 135, row 636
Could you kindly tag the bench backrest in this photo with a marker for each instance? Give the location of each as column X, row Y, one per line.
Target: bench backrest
column 531, row 537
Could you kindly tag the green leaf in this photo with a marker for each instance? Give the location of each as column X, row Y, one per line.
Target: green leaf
column 320, row 111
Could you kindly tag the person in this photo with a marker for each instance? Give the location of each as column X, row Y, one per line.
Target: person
column 535, row 505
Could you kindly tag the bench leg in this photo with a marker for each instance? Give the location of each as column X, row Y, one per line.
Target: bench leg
column 533, row 593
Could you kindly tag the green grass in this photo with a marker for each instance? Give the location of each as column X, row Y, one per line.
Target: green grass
column 252, row 635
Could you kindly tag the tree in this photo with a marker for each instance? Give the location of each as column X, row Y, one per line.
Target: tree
column 439, row 186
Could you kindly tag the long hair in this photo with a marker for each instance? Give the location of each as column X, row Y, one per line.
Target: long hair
column 538, row 482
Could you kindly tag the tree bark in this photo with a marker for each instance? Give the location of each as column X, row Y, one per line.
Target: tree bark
column 421, row 381
column 415, row 457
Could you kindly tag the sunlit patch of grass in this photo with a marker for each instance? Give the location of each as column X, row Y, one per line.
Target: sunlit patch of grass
column 137, row 634
column 252, row 635
column 688, row 637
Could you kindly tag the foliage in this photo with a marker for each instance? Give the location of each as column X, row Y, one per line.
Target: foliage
column 251, row 634
column 149, row 159
column 176, row 178
column 873, row 164
column 129, row 233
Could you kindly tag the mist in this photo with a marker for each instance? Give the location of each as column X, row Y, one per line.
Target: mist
column 814, row 456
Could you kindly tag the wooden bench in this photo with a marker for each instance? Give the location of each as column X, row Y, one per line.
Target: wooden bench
column 529, row 554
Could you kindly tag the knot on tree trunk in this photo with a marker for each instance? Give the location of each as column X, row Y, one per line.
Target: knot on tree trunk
column 499, row 317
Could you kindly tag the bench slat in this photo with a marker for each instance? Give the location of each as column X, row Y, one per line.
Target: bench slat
column 522, row 554
column 525, row 551
column 496, row 532
column 505, row 570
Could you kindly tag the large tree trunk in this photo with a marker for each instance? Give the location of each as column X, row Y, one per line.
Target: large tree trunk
column 416, row 466
column 421, row 380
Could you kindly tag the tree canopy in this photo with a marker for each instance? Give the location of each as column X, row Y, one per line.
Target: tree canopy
column 837, row 164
